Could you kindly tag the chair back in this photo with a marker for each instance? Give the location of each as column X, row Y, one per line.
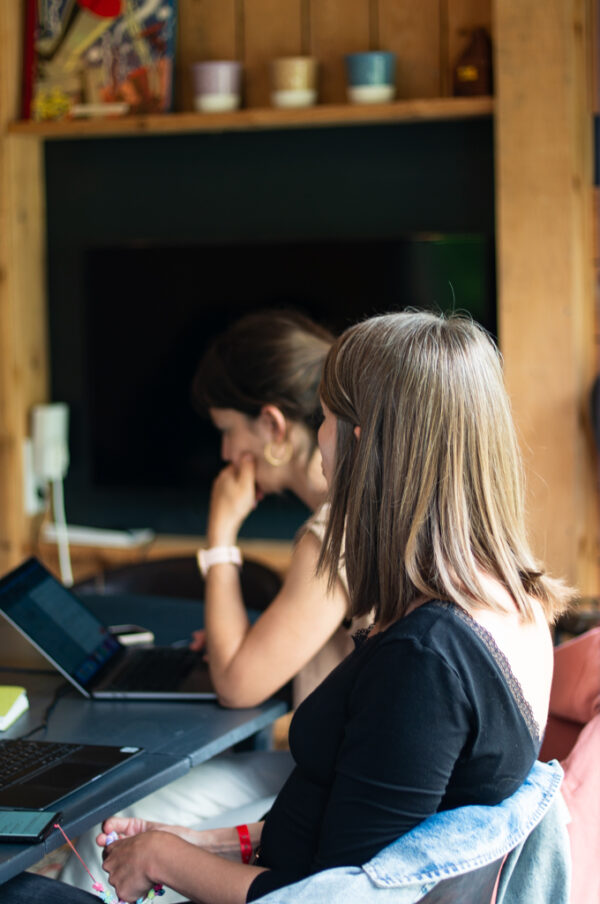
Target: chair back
column 178, row 576
column 476, row 887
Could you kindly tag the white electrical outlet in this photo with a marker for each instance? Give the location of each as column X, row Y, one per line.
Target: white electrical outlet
column 50, row 436
column 34, row 487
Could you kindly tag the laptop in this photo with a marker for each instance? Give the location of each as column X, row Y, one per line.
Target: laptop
column 82, row 648
column 36, row 774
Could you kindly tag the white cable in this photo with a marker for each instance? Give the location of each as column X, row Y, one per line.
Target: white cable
column 62, row 534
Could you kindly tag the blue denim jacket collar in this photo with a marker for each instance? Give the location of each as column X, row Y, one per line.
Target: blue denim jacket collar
column 457, row 841
column 447, row 844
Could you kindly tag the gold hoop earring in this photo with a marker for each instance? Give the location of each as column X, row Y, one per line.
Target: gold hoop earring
column 278, row 461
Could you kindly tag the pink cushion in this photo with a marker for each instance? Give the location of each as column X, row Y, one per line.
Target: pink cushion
column 576, row 683
column 581, row 791
column 559, row 738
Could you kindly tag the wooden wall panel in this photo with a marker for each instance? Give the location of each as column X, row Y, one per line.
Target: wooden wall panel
column 412, row 31
column 207, row 30
column 23, row 339
column 460, row 16
column 338, row 27
column 271, row 28
column 427, row 36
column 545, row 290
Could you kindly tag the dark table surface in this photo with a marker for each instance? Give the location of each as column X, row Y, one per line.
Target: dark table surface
column 174, row 736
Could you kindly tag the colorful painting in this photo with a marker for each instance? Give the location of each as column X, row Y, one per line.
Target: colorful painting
column 103, row 57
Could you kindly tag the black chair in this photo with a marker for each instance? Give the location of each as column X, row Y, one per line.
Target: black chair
column 584, row 615
column 178, row 576
column 476, row 887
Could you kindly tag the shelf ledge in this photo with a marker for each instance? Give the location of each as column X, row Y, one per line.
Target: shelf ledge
column 322, row 115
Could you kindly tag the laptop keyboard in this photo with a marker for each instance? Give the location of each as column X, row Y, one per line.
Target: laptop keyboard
column 23, row 757
column 162, row 671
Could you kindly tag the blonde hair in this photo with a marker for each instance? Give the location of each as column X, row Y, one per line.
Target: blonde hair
column 431, row 493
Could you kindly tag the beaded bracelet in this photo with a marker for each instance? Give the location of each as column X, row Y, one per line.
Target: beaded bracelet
column 245, row 843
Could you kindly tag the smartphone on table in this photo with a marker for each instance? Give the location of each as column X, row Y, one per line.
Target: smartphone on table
column 26, row 826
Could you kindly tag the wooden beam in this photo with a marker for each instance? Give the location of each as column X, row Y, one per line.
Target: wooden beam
column 545, row 287
column 23, row 340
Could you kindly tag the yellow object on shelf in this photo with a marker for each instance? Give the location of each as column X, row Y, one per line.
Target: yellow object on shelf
column 13, row 703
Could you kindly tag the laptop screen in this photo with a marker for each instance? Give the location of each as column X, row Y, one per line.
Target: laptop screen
column 56, row 621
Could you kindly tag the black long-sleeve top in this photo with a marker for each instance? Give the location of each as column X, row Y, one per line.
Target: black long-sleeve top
column 422, row 717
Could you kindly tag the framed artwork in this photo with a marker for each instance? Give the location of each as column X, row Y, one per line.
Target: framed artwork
column 99, row 57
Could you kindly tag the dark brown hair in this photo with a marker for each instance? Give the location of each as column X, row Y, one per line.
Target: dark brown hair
column 271, row 357
column 430, row 495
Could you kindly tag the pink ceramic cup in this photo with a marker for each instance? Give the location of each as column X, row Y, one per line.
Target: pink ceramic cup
column 217, row 85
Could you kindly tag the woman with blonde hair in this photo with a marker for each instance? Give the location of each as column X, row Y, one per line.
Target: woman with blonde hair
column 259, row 383
column 444, row 700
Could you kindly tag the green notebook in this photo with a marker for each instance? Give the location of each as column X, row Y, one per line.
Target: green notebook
column 13, row 702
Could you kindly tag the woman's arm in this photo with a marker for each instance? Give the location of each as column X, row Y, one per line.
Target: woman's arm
column 137, row 863
column 247, row 662
column 224, row 841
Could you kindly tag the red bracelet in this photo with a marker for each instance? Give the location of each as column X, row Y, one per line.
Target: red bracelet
column 245, row 843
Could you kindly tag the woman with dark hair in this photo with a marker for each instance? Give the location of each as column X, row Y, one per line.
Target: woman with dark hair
column 259, row 382
column 443, row 702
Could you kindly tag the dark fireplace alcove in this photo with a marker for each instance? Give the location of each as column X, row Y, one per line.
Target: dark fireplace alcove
column 154, row 244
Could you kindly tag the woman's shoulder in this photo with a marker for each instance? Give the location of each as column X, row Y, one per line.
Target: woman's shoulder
column 481, row 644
column 316, row 524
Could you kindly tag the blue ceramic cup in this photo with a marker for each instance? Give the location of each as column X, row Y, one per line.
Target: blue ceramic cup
column 371, row 76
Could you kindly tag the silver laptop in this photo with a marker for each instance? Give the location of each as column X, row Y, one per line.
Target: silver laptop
column 82, row 648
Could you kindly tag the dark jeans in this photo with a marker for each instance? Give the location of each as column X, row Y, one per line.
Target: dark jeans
column 29, row 888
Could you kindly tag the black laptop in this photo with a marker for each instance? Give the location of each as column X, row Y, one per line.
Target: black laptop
column 80, row 646
column 36, row 774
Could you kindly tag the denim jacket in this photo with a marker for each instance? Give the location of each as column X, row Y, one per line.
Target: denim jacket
column 531, row 824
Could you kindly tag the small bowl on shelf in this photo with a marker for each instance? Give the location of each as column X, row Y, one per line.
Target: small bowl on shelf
column 294, row 82
column 371, row 77
column 217, row 85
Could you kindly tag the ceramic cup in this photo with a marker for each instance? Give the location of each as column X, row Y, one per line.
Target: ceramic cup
column 371, row 76
column 217, row 85
column 294, row 81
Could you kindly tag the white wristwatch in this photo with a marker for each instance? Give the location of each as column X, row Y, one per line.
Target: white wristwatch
column 217, row 555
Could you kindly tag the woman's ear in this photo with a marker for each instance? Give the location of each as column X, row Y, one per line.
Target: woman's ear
column 356, row 431
column 273, row 420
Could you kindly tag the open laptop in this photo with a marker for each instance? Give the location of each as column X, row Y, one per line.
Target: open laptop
column 82, row 648
column 36, row 774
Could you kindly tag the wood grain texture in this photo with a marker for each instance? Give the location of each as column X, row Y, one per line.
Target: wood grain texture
column 23, row 339
column 206, row 30
column 427, row 109
column 271, row 28
column 338, row 27
column 412, row 31
column 544, row 241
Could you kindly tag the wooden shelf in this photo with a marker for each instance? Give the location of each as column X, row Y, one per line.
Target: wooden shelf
column 439, row 108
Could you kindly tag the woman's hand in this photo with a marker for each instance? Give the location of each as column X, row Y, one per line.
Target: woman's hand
column 126, row 827
column 139, row 861
column 131, row 861
column 198, row 641
column 232, row 499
